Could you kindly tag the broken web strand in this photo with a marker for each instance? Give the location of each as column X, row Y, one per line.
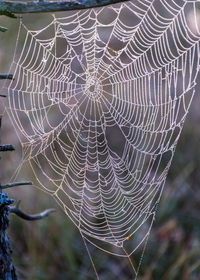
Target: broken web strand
column 149, row 67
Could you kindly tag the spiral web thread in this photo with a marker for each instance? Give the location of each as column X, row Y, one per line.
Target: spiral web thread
column 99, row 100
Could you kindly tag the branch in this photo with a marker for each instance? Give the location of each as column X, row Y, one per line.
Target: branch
column 27, row 217
column 5, row 76
column 10, row 8
column 6, row 148
column 15, row 185
column 3, row 29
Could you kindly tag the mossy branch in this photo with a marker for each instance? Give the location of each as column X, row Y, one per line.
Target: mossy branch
column 9, row 8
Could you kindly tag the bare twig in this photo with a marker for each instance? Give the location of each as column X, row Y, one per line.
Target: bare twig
column 5, row 148
column 11, row 185
column 3, row 29
column 28, row 217
column 15, row 7
column 6, row 76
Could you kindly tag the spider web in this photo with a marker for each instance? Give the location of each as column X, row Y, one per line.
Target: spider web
column 99, row 100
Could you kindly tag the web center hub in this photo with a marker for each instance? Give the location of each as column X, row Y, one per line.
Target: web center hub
column 93, row 88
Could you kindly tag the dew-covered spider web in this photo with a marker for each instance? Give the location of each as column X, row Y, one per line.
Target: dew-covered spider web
column 99, row 99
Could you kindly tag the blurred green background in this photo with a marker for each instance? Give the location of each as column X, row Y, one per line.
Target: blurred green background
column 53, row 249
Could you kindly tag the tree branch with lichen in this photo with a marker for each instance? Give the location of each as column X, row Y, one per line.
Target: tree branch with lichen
column 9, row 8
